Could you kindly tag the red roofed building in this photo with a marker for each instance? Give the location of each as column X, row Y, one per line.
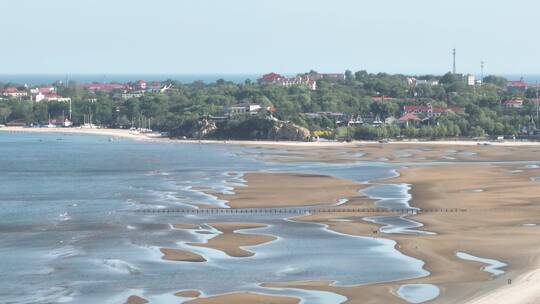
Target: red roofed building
column 272, row 78
column 430, row 111
column 13, row 92
column 514, row 103
column 304, row 79
column 517, row 86
column 409, row 117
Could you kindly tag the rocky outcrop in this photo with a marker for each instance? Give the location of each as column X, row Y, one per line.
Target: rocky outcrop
column 288, row 131
column 203, row 129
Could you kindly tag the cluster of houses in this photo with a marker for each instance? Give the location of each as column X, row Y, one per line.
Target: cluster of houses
column 468, row 79
column 38, row 94
column 411, row 114
column 306, row 79
column 128, row 90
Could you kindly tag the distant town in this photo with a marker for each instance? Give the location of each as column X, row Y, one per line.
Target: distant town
column 308, row 106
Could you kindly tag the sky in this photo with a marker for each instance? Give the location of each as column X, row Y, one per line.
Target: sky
column 259, row 36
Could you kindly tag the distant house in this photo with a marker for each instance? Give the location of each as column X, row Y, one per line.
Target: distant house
column 61, row 122
column 408, row 118
column 129, row 95
column 470, row 79
column 43, row 90
column 242, row 109
column 304, row 79
column 514, row 103
column 140, row 85
column 430, row 111
column 272, row 78
column 13, row 92
column 381, row 98
column 517, row 86
column 103, row 86
column 422, row 82
column 50, row 97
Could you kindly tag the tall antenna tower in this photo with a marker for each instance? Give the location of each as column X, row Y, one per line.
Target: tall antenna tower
column 454, row 66
column 482, row 63
column 537, row 102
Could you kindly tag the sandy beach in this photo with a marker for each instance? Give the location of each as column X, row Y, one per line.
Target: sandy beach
column 499, row 218
column 500, row 204
column 290, row 189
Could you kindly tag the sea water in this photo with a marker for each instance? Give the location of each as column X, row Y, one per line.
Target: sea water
column 69, row 234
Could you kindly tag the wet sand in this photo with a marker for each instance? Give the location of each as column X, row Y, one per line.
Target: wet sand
column 231, row 242
column 245, row 298
column 493, row 227
column 178, row 255
column 188, row 293
column 266, row 190
column 136, row 300
column 403, row 152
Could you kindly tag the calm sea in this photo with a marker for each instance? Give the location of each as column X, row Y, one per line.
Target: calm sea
column 37, row 79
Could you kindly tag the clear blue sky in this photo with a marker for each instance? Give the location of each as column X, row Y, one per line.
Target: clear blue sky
column 255, row 36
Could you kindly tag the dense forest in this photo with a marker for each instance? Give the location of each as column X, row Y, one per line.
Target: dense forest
column 182, row 108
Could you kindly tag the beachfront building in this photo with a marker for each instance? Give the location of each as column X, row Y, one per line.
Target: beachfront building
column 514, row 103
column 409, row 118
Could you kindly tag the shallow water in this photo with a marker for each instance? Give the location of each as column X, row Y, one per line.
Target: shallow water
column 68, row 233
column 493, row 266
column 418, row 293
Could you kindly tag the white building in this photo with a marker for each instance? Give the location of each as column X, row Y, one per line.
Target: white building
column 470, row 79
column 241, row 109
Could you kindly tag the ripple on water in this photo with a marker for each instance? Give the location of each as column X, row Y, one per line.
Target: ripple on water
column 418, row 293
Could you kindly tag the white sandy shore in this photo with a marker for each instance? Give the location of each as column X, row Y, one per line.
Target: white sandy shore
column 524, row 290
column 155, row 137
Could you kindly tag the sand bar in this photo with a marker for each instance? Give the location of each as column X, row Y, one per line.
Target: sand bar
column 245, row 298
column 231, row 242
column 178, row 255
column 290, row 189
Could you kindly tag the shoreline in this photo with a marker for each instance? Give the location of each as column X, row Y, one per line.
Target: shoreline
column 124, row 133
column 479, row 234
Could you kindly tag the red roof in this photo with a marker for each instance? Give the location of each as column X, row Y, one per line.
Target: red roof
column 517, row 84
column 408, row 117
column 11, row 90
column 46, row 90
column 272, row 77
